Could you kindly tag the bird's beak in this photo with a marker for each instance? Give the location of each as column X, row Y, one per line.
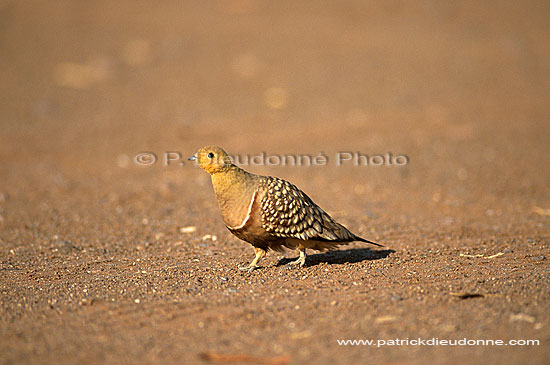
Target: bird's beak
column 192, row 158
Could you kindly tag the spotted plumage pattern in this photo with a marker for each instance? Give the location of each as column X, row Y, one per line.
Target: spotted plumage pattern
column 287, row 212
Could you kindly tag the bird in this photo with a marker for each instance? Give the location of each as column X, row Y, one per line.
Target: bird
column 268, row 212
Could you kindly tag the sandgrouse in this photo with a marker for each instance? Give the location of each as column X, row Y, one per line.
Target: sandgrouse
column 268, row 212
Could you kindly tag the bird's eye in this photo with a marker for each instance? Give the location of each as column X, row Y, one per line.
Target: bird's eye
column 210, row 155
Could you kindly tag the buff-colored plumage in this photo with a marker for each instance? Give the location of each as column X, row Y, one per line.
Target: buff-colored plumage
column 268, row 212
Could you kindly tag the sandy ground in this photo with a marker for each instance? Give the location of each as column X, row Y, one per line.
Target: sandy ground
column 103, row 260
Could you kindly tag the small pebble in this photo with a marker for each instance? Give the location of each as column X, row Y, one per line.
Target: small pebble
column 188, row 229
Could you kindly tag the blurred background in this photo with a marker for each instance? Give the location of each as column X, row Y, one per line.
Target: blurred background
column 460, row 87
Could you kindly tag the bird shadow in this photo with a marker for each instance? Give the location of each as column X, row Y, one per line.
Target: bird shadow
column 352, row 255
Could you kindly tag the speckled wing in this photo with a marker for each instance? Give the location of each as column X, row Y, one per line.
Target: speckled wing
column 287, row 212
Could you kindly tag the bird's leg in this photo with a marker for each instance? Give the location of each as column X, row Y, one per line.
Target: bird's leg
column 302, row 259
column 260, row 253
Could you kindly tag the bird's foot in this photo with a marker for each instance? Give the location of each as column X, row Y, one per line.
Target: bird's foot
column 260, row 253
column 249, row 268
column 300, row 261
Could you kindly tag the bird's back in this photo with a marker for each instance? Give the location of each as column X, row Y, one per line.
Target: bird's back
column 287, row 212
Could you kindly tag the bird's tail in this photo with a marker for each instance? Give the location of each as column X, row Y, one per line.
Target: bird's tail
column 357, row 238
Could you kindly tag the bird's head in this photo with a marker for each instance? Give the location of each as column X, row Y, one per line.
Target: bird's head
column 212, row 159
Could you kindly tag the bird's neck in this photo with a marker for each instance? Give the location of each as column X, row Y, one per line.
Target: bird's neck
column 229, row 177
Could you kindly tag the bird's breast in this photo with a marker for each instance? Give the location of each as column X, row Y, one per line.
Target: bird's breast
column 234, row 203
